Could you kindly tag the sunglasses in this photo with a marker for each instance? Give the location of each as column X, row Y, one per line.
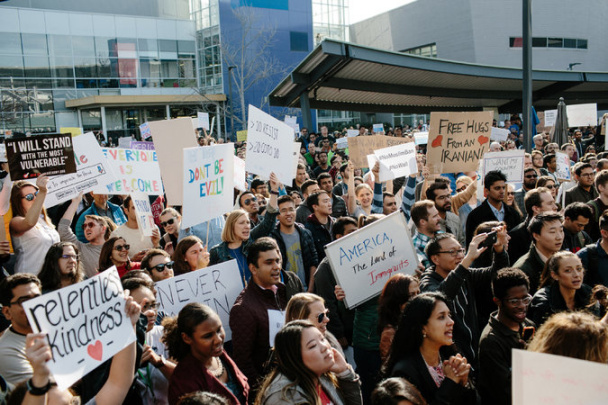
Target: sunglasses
column 322, row 316
column 250, row 200
column 30, row 196
column 532, row 176
column 121, row 247
column 88, row 225
column 169, row 222
column 73, row 257
column 161, row 267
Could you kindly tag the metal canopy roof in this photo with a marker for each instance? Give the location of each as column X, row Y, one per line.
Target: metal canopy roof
column 343, row 76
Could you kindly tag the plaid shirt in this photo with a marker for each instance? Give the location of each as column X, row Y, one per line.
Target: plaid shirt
column 420, row 241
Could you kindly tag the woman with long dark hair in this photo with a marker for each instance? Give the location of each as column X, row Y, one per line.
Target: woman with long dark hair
column 115, row 252
column 423, row 352
column 195, row 338
column 62, row 267
column 308, row 370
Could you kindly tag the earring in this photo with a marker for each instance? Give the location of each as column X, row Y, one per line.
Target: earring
column 423, row 335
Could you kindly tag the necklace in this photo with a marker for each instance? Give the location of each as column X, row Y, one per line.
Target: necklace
column 219, row 370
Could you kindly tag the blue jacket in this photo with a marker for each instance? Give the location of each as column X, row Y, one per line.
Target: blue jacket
column 118, row 217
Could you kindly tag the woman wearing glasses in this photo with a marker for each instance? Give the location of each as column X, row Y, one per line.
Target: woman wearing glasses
column 190, row 255
column 115, row 252
column 237, row 233
column 562, row 288
column 195, row 338
column 62, row 267
column 171, row 222
column 32, row 232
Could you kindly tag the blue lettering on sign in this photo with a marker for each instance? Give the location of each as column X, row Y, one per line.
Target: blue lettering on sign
column 362, row 247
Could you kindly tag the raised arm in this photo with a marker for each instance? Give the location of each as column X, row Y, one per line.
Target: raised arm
column 20, row 225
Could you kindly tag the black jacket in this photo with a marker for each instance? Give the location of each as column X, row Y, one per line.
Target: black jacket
column 533, row 266
column 549, row 300
column 484, row 213
column 307, row 246
column 520, row 241
column 413, row 368
column 320, row 234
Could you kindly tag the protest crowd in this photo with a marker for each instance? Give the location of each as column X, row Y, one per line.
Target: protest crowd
column 497, row 265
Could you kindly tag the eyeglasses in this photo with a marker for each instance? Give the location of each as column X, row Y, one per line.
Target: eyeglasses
column 169, row 222
column 30, row 196
column 250, row 200
column 150, row 305
column 73, row 257
column 516, row 301
column 21, row 300
column 588, row 174
column 454, row 252
column 322, row 316
column 88, row 225
column 531, row 176
column 121, row 247
column 511, row 193
column 550, row 187
column 161, row 267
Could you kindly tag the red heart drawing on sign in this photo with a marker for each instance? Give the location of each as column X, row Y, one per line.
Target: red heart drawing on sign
column 483, row 139
column 437, row 141
column 95, row 350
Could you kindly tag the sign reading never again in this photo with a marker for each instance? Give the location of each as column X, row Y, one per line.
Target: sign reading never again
column 458, row 140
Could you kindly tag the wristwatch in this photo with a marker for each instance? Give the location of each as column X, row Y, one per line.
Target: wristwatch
column 161, row 363
column 37, row 391
column 274, row 192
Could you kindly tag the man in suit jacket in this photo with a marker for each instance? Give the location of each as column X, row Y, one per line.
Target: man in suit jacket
column 493, row 208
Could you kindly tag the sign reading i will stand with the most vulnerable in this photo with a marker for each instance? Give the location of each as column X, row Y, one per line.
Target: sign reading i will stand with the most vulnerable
column 458, row 140
column 50, row 154
column 85, row 325
column 270, row 147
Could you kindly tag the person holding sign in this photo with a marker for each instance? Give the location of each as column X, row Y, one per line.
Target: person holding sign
column 130, row 232
column 32, row 232
column 423, row 352
column 309, row 370
column 195, row 338
column 114, row 390
column 370, row 201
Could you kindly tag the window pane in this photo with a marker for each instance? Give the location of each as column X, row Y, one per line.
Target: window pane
column 83, row 46
column 62, row 67
column 581, row 43
column 36, row 66
column 167, row 45
column 515, row 42
column 34, row 44
column 298, row 41
column 185, row 47
column 148, row 48
column 11, row 66
column 60, row 45
column 539, row 42
column 86, row 67
column 10, row 43
column 105, row 67
column 569, row 43
column 556, row 42
column 104, row 46
column 187, row 68
column 169, row 68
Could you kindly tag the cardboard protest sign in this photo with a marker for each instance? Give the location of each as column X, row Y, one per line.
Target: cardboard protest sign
column 351, row 133
column 136, row 170
column 217, row 286
column 93, row 171
column 550, row 117
column 208, row 183
column 421, row 138
column 510, row 163
column 170, row 138
column 397, row 161
column 241, row 136
column 563, row 166
column 361, row 146
column 85, row 325
column 240, row 180
column 145, row 131
column 269, row 147
column 142, row 145
column 378, row 129
column 125, row 142
column 582, row 115
column 499, row 134
column 203, row 120
column 363, row 260
column 458, row 140
column 540, row 378
column 143, row 211
column 40, row 154
column 74, row 131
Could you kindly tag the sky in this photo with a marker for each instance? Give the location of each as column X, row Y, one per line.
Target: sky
column 363, row 9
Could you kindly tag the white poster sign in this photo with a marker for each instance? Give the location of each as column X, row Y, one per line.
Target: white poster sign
column 421, row 138
column 350, row 133
column 85, row 325
column 203, row 120
column 216, row 286
column 145, row 130
column 582, row 115
column 240, row 179
column 397, row 161
column 378, row 128
column 136, row 170
column 269, row 147
column 363, row 261
column 143, row 211
column 499, row 134
column 510, row 163
column 342, row 143
column 563, row 166
column 208, row 183
column 125, row 142
column 550, row 117
column 540, row 378
column 93, row 171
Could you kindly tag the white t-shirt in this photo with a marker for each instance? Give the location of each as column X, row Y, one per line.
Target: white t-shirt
column 14, row 366
column 135, row 238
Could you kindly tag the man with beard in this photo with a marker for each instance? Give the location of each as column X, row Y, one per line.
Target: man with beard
column 530, row 177
column 508, row 329
column 584, row 190
column 439, row 193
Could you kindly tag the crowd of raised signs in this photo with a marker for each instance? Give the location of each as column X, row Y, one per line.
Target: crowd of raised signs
column 502, row 266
